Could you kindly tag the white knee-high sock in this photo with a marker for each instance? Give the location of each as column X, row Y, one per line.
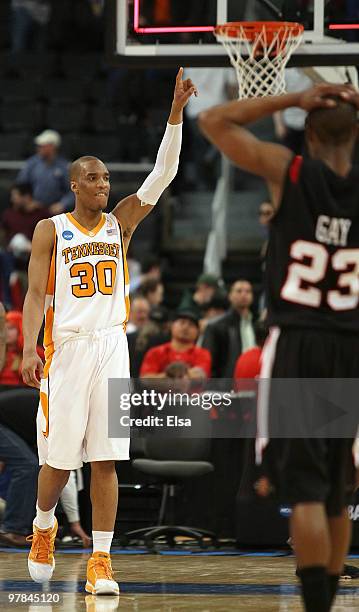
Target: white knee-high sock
column 102, row 541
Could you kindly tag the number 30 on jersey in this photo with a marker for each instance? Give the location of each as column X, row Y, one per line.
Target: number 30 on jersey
column 345, row 261
column 101, row 277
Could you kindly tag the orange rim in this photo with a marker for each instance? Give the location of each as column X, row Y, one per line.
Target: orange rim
column 249, row 30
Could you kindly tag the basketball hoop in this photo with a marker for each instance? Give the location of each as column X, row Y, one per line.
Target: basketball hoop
column 259, row 51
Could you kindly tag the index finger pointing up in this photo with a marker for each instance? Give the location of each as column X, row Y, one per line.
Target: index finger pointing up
column 179, row 75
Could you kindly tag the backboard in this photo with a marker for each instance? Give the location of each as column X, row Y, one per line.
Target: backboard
column 173, row 32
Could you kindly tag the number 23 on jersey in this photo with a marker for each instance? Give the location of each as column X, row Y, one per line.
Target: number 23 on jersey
column 345, row 261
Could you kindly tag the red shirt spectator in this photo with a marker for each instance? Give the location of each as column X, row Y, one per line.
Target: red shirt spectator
column 248, row 364
column 158, row 358
column 182, row 347
column 11, row 372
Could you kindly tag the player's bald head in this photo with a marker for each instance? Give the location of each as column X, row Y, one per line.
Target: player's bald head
column 334, row 126
column 82, row 163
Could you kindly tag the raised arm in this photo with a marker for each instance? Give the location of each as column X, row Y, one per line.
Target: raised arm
column 225, row 127
column 33, row 313
column 131, row 210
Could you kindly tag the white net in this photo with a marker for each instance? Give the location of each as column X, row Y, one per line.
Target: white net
column 259, row 53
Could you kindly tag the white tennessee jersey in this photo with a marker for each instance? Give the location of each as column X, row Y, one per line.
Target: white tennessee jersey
column 88, row 284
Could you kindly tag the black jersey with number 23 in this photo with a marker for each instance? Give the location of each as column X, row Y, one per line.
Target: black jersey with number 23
column 313, row 253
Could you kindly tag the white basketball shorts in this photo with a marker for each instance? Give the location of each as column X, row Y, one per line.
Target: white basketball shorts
column 72, row 420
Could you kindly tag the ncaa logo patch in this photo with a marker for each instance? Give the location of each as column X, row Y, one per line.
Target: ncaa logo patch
column 67, row 235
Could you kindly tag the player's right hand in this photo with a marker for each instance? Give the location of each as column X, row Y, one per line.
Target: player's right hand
column 317, row 96
column 32, row 369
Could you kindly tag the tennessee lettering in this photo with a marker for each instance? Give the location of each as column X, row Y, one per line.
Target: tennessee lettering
column 91, row 248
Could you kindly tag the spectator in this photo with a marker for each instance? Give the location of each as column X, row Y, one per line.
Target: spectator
column 139, row 314
column 266, row 212
column 23, row 215
column 6, row 268
column 47, row 172
column 155, row 332
column 153, row 291
column 150, row 269
column 212, row 311
column 178, row 372
column 248, row 364
column 2, row 337
column 18, row 224
column 134, row 270
column 23, row 467
column 10, row 374
column 206, row 287
column 29, row 19
column 11, row 371
column 232, row 334
column 182, row 347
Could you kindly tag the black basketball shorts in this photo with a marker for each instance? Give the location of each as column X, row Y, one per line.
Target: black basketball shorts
column 311, row 469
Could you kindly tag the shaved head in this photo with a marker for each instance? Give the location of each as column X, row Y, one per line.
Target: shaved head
column 77, row 165
column 90, row 182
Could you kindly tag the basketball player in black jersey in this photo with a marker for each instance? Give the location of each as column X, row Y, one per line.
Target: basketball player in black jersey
column 312, row 297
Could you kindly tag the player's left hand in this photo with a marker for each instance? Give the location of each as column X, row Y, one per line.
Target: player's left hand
column 32, row 369
column 184, row 89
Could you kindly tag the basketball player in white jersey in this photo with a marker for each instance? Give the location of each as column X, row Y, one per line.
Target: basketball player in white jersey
column 78, row 276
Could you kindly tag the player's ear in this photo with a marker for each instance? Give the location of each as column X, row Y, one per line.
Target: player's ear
column 74, row 186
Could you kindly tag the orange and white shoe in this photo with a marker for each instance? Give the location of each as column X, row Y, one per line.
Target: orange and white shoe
column 41, row 562
column 100, row 575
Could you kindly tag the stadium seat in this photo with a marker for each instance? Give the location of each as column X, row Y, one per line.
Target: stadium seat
column 4, row 197
column 58, row 91
column 4, row 27
column 103, row 119
column 81, row 67
column 98, row 91
column 18, row 89
column 29, row 65
column 106, row 146
column 132, row 138
column 66, row 117
column 19, row 116
column 14, row 146
column 171, row 462
column 69, row 145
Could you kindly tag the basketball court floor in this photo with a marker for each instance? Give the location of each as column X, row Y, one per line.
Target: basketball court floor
column 167, row 582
